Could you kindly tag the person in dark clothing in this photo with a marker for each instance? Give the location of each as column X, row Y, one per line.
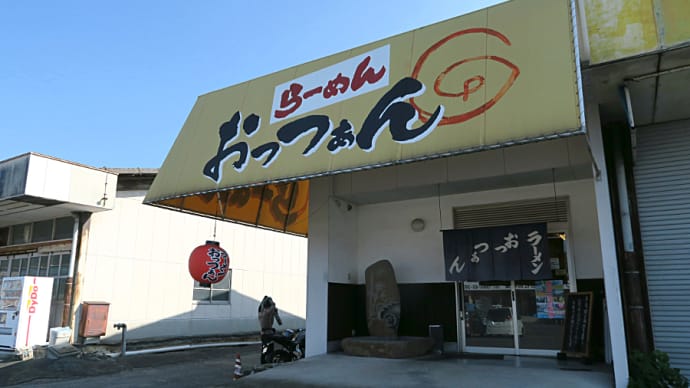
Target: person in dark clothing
column 268, row 312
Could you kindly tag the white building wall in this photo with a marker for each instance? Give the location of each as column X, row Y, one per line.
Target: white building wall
column 379, row 226
column 384, row 230
column 136, row 256
column 342, row 247
column 318, row 266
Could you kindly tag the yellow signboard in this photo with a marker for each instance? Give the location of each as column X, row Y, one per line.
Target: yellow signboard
column 503, row 75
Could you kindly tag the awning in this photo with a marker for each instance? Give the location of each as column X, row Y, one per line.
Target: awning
column 278, row 206
column 502, row 76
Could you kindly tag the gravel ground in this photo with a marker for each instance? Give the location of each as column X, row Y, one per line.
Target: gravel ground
column 212, row 366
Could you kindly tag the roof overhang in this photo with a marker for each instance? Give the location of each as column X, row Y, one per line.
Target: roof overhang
column 643, row 90
column 476, row 82
column 35, row 187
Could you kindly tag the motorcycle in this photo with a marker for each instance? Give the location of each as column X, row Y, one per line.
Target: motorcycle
column 292, row 346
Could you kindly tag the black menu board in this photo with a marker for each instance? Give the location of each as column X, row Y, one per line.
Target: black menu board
column 578, row 321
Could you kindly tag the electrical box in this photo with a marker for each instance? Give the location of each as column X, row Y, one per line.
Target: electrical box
column 24, row 311
column 94, row 319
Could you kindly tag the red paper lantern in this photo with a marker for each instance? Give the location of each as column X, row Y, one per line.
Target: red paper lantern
column 208, row 263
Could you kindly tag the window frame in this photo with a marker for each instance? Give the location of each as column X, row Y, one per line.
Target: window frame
column 14, row 231
column 10, row 233
column 212, row 289
column 21, row 264
column 49, row 237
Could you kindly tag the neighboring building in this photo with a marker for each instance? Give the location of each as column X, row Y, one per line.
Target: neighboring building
column 39, row 232
column 134, row 257
column 638, row 73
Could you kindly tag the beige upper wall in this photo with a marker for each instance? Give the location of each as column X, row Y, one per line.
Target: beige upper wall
column 618, row 29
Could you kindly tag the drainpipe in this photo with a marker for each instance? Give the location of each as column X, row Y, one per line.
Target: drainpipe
column 72, row 287
column 184, row 347
column 70, row 275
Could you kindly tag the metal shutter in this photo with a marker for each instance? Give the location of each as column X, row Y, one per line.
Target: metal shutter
column 511, row 213
column 662, row 178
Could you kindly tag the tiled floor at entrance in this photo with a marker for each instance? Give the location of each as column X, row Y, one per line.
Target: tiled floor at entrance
column 339, row 370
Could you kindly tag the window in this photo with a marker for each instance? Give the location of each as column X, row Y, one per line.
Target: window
column 59, row 286
column 213, row 293
column 24, row 266
column 14, row 267
column 43, row 231
column 33, row 265
column 20, row 234
column 64, row 264
column 54, row 267
column 47, row 230
column 4, row 267
column 54, row 264
column 4, row 236
column 43, row 266
column 63, row 228
column 499, row 314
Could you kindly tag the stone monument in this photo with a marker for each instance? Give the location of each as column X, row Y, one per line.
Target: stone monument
column 383, row 319
column 383, row 300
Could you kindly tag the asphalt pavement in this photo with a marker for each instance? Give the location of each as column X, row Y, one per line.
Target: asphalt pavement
column 215, row 366
column 200, row 367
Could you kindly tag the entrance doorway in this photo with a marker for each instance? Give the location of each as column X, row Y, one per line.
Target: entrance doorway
column 523, row 317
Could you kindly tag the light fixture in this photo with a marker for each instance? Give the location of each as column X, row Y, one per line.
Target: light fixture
column 562, row 236
column 417, row 224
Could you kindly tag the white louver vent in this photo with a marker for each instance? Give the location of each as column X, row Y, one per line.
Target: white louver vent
column 511, row 213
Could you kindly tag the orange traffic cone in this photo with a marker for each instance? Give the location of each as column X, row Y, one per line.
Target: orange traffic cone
column 238, row 367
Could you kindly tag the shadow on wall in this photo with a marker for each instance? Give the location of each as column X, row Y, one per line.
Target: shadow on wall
column 239, row 317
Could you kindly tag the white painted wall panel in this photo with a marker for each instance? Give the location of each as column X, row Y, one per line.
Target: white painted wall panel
column 584, row 231
column 383, row 230
column 59, row 180
column 48, row 178
column 342, row 248
column 135, row 258
column 385, row 233
column 317, row 266
column 89, row 186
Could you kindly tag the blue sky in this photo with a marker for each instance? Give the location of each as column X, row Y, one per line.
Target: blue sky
column 110, row 84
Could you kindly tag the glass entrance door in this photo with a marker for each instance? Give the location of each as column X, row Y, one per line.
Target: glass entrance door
column 517, row 317
column 489, row 325
column 541, row 304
